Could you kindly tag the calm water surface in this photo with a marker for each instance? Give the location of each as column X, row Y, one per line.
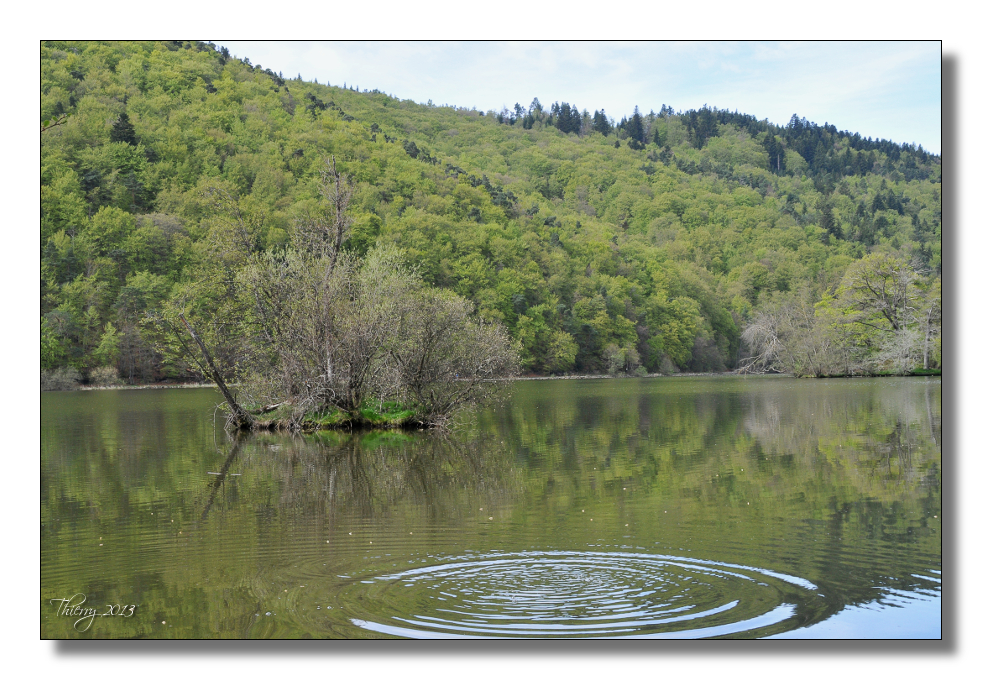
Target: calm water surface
column 634, row 508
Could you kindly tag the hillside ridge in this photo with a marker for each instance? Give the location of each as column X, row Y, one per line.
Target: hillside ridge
column 649, row 244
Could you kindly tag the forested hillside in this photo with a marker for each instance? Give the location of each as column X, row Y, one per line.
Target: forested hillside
column 670, row 241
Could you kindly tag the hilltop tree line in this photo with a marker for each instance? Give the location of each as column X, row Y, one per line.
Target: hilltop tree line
column 649, row 244
column 829, row 154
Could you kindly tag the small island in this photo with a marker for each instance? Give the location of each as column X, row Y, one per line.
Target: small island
column 336, row 341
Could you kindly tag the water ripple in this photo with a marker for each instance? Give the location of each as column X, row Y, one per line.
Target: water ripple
column 582, row 594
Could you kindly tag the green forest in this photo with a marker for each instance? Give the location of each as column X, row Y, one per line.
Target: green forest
column 669, row 241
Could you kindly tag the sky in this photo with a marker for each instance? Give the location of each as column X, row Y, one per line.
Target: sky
column 886, row 90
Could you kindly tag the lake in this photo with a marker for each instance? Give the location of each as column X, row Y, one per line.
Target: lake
column 689, row 507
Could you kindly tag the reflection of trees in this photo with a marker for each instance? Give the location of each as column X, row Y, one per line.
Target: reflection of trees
column 235, row 504
column 881, row 438
column 614, row 426
column 219, row 481
column 880, row 434
column 865, row 431
column 369, row 474
column 105, row 453
column 837, row 481
column 867, row 465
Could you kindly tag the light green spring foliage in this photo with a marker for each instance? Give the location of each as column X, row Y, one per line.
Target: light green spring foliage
column 659, row 239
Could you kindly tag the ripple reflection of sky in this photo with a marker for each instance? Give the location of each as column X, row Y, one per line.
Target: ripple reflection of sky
column 898, row 616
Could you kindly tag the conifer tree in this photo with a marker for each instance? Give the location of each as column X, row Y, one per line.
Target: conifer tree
column 123, row 130
column 634, row 127
column 600, row 122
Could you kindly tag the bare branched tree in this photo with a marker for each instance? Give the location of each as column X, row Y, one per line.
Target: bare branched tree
column 882, row 317
column 317, row 329
column 335, row 332
column 788, row 337
column 931, row 321
column 447, row 358
column 322, row 233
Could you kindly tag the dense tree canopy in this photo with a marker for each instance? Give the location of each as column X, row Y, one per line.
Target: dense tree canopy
column 645, row 246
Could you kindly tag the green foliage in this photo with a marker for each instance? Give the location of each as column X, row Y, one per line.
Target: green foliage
column 52, row 352
column 884, row 317
column 177, row 163
column 107, row 351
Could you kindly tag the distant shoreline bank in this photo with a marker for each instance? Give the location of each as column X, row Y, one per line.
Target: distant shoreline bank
column 190, row 385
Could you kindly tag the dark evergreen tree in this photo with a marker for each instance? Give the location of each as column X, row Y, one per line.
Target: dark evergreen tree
column 123, row 130
column 878, row 202
column 634, row 127
column 775, row 152
column 826, row 219
column 564, row 117
column 701, row 125
column 601, row 123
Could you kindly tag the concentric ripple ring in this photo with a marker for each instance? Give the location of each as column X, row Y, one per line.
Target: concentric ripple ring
column 556, row 594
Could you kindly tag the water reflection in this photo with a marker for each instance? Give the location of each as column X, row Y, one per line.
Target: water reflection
column 366, row 475
column 683, row 507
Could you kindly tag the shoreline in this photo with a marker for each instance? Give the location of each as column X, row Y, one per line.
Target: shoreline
column 146, row 386
column 192, row 385
column 621, row 377
column 585, row 376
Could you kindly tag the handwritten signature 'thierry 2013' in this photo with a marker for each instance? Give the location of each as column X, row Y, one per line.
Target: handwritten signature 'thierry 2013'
column 72, row 607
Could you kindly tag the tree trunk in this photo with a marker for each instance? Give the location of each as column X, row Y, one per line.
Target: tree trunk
column 240, row 417
column 927, row 335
